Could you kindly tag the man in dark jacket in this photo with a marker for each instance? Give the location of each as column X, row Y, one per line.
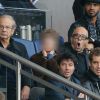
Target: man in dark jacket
column 7, row 28
column 93, row 75
column 78, row 41
column 46, row 58
column 66, row 66
column 90, row 20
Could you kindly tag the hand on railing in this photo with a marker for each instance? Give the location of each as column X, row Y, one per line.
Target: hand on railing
column 80, row 96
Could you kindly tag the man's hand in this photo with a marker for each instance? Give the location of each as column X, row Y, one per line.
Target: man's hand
column 25, row 93
column 81, row 95
column 44, row 53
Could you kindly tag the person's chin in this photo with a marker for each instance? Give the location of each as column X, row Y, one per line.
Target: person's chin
column 78, row 49
column 98, row 72
column 92, row 15
column 3, row 37
column 67, row 75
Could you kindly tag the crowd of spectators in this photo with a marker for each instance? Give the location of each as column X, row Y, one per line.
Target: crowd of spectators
column 77, row 60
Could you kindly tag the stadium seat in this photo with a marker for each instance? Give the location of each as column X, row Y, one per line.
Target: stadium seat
column 29, row 46
column 37, row 45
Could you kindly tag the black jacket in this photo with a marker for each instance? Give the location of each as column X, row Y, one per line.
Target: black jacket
column 81, row 67
column 9, row 74
column 94, row 31
column 92, row 83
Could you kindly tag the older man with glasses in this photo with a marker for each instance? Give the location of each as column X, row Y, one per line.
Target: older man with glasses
column 77, row 47
column 7, row 28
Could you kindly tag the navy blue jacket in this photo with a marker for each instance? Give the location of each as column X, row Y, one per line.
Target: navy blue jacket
column 53, row 95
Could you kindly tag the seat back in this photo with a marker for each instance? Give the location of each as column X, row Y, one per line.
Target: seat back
column 37, row 45
column 29, row 45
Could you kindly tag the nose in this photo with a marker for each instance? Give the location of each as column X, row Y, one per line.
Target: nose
column 92, row 6
column 79, row 38
column 99, row 65
column 4, row 29
column 67, row 67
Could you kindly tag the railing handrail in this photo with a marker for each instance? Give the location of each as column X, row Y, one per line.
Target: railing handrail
column 36, row 78
column 48, row 73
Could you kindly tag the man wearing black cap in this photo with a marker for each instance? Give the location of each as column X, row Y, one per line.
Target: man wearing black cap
column 90, row 20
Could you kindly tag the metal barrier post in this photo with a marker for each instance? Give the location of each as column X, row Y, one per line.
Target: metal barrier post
column 18, row 81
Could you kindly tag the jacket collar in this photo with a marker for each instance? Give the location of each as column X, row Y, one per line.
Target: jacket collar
column 10, row 45
column 93, row 77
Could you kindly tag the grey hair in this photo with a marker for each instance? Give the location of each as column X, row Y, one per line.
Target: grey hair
column 11, row 18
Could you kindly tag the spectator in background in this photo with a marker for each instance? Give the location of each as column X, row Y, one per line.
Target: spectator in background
column 89, row 46
column 66, row 66
column 90, row 20
column 7, row 28
column 45, row 58
column 77, row 9
column 93, row 75
column 78, row 41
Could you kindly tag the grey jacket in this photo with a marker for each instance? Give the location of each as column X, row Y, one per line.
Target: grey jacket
column 92, row 83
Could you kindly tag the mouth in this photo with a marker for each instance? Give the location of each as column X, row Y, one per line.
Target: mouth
column 98, row 71
column 92, row 12
column 78, row 45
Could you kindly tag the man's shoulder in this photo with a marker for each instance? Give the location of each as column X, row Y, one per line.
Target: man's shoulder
column 75, row 80
column 81, row 22
column 19, row 49
column 87, row 84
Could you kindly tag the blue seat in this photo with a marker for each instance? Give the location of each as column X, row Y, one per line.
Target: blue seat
column 29, row 45
column 37, row 45
column 61, row 40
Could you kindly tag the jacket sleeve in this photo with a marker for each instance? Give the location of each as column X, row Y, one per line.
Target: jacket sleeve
column 25, row 81
column 53, row 95
column 88, row 86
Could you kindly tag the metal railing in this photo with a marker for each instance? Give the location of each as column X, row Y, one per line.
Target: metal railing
column 46, row 72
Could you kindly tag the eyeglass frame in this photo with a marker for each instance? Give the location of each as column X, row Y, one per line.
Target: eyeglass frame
column 79, row 36
column 7, row 27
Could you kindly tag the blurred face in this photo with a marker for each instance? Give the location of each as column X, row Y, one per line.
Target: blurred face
column 66, row 68
column 92, row 9
column 79, row 39
column 6, row 28
column 49, row 44
column 95, row 65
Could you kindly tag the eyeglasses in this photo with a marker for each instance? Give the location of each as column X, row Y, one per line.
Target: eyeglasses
column 88, row 51
column 79, row 37
column 6, row 27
